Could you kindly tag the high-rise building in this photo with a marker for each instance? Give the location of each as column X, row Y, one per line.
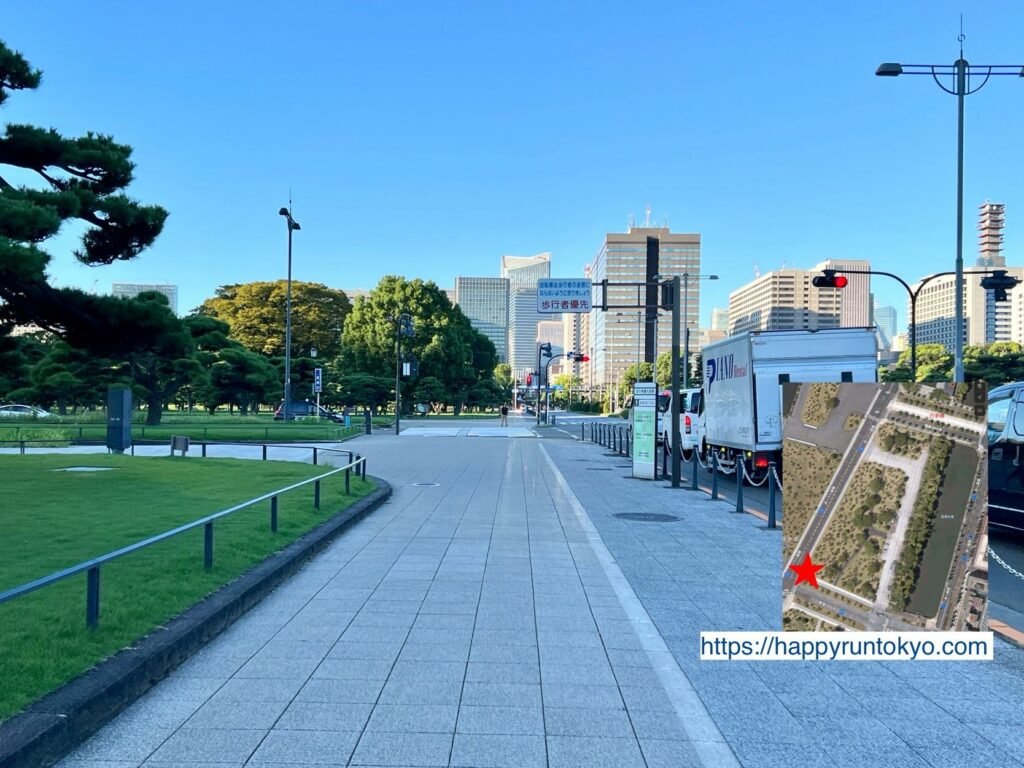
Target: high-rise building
column 783, row 300
column 885, row 322
column 622, row 258
column 572, row 323
column 720, row 319
column 522, row 273
column 855, row 298
column 553, row 332
column 936, row 312
column 484, row 300
column 131, row 290
column 990, row 235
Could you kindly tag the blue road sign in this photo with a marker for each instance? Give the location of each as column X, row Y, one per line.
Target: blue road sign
column 318, row 380
column 842, row 611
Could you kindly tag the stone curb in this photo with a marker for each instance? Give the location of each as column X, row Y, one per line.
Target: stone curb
column 63, row 719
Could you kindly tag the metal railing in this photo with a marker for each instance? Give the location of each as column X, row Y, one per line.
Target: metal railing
column 98, row 431
column 22, row 445
column 91, row 567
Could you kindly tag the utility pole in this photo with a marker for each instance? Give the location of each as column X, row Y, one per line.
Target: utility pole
column 676, row 392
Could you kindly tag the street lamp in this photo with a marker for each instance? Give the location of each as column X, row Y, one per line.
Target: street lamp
column 960, row 71
column 292, row 226
column 686, row 323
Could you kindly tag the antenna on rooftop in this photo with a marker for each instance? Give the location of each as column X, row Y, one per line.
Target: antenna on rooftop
column 632, row 221
column 757, row 271
column 647, row 216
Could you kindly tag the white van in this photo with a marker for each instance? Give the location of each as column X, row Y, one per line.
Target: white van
column 691, row 420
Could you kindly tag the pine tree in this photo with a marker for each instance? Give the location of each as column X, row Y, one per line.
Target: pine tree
column 79, row 180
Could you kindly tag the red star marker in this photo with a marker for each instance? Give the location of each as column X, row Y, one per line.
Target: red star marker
column 806, row 570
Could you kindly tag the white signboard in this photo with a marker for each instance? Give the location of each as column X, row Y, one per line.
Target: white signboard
column 558, row 295
column 645, row 420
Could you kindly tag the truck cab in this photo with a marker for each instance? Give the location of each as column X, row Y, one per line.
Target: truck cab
column 691, row 420
column 1005, row 459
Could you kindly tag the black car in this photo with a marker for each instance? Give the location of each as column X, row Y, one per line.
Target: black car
column 306, row 409
column 1006, row 459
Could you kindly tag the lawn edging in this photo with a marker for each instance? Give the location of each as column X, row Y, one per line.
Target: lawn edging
column 59, row 721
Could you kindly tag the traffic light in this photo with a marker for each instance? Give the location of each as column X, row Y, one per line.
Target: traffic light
column 668, row 295
column 583, row 358
column 829, row 279
column 529, row 379
column 999, row 283
column 546, row 349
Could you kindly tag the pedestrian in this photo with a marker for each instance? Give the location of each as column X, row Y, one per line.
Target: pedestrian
column 504, row 415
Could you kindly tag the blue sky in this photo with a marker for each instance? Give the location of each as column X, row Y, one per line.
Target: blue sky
column 429, row 138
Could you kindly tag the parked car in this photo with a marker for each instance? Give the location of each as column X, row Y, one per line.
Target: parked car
column 306, row 409
column 1005, row 462
column 23, row 412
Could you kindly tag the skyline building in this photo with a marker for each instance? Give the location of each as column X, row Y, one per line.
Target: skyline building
column 991, row 220
column 522, row 273
column 885, row 322
column 131, row 290
column 720, row 319
column 622, row 258
column 552, row 332
column 485, row 301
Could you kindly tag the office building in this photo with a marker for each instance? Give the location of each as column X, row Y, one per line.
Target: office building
column 783, row 300
column 572, row 326
column 855, row 298
column 936, row 312
column 885, row 322
column 622, row 258
column 485, row 301
column 522, row 273
column 553, row 332
column 131, row 290
column 720, row 319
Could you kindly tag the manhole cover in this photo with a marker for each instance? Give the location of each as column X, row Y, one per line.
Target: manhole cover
column 647, row 517
column 599, row 469
column 429, row 485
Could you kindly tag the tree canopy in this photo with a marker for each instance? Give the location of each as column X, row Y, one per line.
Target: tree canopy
column 255, row 314
column 77, row 180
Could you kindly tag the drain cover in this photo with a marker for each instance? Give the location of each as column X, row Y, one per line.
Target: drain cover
column 429, row 485
column 647, row 517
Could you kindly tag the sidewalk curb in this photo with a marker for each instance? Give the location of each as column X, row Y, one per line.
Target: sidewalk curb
column 1008, row 633
column 63, row 719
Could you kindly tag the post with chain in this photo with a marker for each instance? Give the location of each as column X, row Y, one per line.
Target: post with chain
column 696, row 460
column 740, row 474
column 714, row 477
column 771, row 495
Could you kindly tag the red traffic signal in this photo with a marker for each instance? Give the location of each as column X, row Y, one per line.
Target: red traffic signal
column 529, row 379
column 583, row 358
column 829, row 279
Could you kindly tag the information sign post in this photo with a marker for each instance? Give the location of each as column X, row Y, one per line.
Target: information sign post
column 645, row 418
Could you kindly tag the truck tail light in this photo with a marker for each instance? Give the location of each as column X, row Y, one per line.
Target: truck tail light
column 689, row 425
column 760, row 462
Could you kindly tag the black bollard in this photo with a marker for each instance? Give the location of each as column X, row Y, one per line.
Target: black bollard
column 714, row 477
column 771, row 495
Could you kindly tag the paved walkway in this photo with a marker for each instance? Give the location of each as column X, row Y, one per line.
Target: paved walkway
column 504, row 617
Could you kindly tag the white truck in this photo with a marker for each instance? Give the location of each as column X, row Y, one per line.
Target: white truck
column 743, row 378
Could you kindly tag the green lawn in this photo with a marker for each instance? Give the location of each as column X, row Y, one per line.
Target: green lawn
column 52, row 519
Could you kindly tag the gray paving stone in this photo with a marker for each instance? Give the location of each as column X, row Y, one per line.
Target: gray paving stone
column 237, row 714
column 265, row 668
column 557, row 655
column 593, row 752
column 322, row 716
column 434, row 652
column 389, row 636
column 372, row 651
column 176, row 688
column 568, row 639
column 611, row 723
column 444, row 621
column 253, row 689
column 436, row 671
column 646, row 698
column 497, row 672
column 414, row 718
column 313, row 747
column 660, row 725
column 501, row 695
column 505, row 654
column 202, row 744
column 503, row 637
column 380, row 748
column 326, row 691
column 492, row 751
column 661, row 753
column 421, row 692
column 353, row 669
column 501, row 720
column 582, row 696
column 210, row 666
column 578, row 674
column 119, row 744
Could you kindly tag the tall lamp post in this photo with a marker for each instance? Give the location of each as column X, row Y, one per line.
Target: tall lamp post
column 960, row 71
column 292, row 226
column 686, row 323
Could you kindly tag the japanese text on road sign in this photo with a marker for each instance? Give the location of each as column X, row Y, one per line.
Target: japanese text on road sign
column 557, row 295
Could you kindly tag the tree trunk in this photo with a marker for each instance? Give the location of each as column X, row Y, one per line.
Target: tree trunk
column 154, row 409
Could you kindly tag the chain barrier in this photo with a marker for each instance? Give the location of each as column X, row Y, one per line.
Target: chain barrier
column 723, row 471
column 1004, row 564
column 778, row 481
column 757, row 485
